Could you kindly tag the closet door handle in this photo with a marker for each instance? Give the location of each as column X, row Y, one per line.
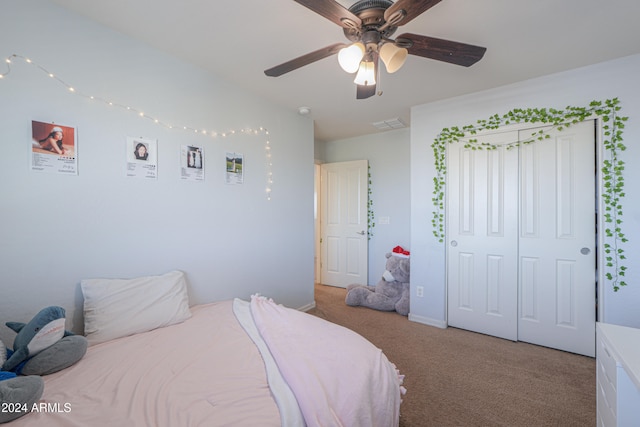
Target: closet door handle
column 454, row 243
column 585, row 251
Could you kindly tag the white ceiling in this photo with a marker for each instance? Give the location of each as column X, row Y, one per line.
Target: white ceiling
column 239, row 39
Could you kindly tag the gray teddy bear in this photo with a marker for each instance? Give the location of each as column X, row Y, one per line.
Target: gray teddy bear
column 390, row 293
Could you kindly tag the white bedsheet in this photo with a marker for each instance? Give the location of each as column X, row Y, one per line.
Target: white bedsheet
column 287, row 404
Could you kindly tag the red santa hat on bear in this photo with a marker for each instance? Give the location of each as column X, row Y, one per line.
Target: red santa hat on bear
column 399, row 251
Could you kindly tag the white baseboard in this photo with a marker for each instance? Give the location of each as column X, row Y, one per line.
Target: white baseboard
column 428, row 321
column 307, row 307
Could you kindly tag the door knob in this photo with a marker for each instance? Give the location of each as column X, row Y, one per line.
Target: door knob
column 585, row 251
column 454, row 243
column 360, row 232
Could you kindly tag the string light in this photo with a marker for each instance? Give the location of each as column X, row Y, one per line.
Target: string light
column 213, row 134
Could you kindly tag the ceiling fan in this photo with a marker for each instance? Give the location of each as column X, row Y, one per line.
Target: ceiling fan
column 369, row 25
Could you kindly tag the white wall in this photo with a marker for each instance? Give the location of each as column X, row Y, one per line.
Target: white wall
column 56, row 230
column 575, row 88
column 388, row 156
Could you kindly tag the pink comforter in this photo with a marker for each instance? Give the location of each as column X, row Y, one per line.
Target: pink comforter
column 208, row 372
column 203, row 372
column 338, row 377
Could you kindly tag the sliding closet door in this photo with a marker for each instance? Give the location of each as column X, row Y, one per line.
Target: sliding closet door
column 482, row 238
column 557, row 241
column 521, row 239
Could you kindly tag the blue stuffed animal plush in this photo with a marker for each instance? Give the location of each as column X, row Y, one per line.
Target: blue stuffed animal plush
column 44, row 330
column 17, row 394
column 43, row 346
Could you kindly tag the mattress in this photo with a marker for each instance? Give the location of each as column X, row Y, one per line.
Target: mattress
column 232, row 363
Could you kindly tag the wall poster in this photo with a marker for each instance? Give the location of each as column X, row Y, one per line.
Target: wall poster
column 53, row 148
column 142, row 158
column 192, row 163
column 234, row 171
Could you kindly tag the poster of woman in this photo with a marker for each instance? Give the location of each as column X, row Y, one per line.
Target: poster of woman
column 142, row 158
column 53, row 148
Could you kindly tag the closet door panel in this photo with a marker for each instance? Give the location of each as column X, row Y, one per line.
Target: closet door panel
column 482, row 238
column 557, row 227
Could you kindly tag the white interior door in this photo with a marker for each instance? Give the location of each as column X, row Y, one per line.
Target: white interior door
column 343, row 223
column 521, row 239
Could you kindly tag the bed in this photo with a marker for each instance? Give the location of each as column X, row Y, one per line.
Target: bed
column 155, row 361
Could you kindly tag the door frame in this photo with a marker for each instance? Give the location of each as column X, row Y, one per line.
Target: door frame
column 323, row 255
column 599, row 211
column 316, row 221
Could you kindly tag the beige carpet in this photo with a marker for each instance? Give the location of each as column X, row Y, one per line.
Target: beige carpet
column 461, row 378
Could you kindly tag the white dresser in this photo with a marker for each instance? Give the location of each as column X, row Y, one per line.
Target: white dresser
column 618, row 375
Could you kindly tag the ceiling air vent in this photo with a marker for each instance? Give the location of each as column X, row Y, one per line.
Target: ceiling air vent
column 389, row 124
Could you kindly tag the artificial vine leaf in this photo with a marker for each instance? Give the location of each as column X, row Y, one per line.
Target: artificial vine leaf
column 611, row 171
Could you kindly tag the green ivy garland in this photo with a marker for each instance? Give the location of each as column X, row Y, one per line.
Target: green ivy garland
column 612, row 125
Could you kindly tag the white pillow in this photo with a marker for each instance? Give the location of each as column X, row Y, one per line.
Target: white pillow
column 116, row 308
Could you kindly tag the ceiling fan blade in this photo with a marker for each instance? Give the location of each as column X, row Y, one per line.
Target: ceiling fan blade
column 412, row 9
column 303, row 60
column 364, row 92
column 333, row 11
column 443, row 50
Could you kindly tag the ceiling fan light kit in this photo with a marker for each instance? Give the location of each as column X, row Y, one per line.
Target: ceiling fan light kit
column 350, row 57
column 366, row 74
column 393, row 56
column 369, row 25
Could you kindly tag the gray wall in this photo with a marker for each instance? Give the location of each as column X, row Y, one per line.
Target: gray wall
column 388, row 156
column 56, row 230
